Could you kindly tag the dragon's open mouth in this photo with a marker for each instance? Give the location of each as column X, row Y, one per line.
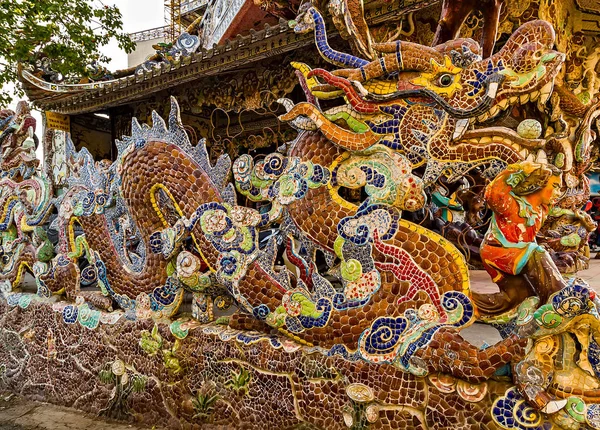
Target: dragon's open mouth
column 540, row 96
column 505, row 136
column 524, row 146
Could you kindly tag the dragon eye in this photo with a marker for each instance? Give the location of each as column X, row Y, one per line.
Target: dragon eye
column 445, row 80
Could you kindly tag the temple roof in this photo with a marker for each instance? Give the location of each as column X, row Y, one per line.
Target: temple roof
column 256, row 45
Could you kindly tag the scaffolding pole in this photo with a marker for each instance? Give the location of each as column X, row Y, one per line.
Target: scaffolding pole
column 172, row 19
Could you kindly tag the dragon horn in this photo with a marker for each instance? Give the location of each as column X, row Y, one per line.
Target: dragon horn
column 336, row 58
column 400, row 56
column 538, row 31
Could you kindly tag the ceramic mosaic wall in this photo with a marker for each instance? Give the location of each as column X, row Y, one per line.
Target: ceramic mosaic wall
column 335, row 295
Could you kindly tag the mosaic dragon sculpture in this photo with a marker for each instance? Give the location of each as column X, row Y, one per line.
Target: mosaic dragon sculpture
column 342, row 272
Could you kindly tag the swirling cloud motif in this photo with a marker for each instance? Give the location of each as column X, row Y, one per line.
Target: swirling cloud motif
column 459, row 308
column 511, row 411
column 87, row 317
column 70, row 314
column 397, row 339
column 568, row 303
column 277, row 178
column 572, row 301
column 359, row 227
column 231, row 267
column 228, row 228
column 320, row 318
column 385, row 175
column 294, row 183
column 379, row 343
column 297, row 312
column 164, row 296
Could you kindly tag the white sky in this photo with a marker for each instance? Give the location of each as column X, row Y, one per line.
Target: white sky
column 138, row 15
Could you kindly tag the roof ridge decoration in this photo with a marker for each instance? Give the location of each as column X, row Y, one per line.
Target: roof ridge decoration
column 187, row 47
column 270, row 41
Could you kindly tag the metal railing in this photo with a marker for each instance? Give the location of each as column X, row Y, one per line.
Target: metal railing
column 192, row 5
column 153, row 33
column 160, row 32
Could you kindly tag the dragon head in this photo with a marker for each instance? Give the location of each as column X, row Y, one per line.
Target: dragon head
column 523, row 70
column 304, row 21
column 528, row 65
column 455, row 77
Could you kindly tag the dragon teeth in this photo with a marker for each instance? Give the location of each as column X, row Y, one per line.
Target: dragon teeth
column 524, row 98
column 544, row 98
column 541, row 157
column 554, row 406
column 503, row 104
column 547, row 89
column 545, row 93
column 492, row 90
column 482, row 118
column 494, row 111
column 524, row 153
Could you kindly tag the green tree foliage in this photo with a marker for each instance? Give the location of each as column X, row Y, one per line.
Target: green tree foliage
column 64, row 35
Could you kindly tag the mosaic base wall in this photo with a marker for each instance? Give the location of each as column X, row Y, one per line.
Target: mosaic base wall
column 216, row 377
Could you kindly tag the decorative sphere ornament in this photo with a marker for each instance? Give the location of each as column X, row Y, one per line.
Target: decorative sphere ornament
column 530, row 129
column 360, row 393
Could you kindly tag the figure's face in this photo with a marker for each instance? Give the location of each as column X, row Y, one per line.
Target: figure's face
column 552, row 191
